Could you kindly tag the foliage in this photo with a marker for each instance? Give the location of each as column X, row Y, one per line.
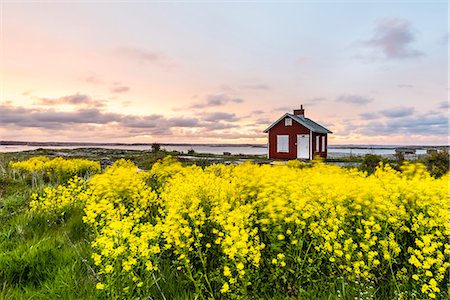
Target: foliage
column 57, row 170
column 297, row 164
column 438, row 163
column 60, row 198
column 156, row 147
column 39, row 258
column 370, row 163
column 261, row 231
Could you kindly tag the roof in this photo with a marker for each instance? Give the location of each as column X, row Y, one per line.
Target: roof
column 308, row 123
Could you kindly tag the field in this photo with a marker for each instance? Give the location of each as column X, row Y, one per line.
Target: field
column 151, row 227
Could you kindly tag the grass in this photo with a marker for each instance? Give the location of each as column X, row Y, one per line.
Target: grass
column 48, row 257
column 37, row 261
column 42, row 258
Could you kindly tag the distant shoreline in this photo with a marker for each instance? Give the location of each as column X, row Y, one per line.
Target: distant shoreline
column 83, row 144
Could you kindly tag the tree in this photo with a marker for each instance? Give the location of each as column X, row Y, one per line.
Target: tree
column 156, row 147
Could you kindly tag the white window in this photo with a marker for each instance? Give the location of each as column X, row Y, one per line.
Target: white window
column 282, row 143
column 317, row 143
column 288, row 122
column 323, row 143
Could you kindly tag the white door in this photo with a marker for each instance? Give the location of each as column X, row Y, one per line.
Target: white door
column 303, row 146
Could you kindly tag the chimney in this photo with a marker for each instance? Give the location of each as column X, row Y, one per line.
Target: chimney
column 299, row 112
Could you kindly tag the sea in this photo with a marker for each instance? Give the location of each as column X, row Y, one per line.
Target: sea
column 232, row 149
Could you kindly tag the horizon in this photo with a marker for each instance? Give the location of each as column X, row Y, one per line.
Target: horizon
column 220, row 73
column 74, row 143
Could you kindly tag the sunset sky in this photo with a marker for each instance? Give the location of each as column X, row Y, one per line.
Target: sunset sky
column 202, row 72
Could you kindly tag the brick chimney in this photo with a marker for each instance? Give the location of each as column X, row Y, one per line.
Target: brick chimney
column 299, row 112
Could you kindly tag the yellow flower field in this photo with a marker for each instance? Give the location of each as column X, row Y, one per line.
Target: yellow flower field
column 240, row 231
column 43, row 169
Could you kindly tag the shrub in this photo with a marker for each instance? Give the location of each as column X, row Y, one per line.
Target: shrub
column 57, row 170
column 438, row 163
column 156, row 147
column 370, row 163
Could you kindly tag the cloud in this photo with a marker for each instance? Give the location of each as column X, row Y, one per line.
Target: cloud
column 444, row 105
column 263, row 121
column 444, row 39
column 183, row 122
column 222, row 99
column 257, row 112
column 93, row 119
column 250, row 87
column 283, row 109
column 220, row 126
column 220, row 116
column 315, row 101
column 118, row 89
column 369, row 115
column 354, row 99
column 144, row 56
column 397, row 112
column 258, row 87
column 419, row 124
column 76, row 99
column 94, row 123
column 150, row 121
column 51, row 119
column 92, row 79
column 217, row 100
column 232, row 134
column 393, row 39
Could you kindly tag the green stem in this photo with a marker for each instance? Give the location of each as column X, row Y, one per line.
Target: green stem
column 306, row 253
column 205, row 273
column 393, row 275
column 192, row 278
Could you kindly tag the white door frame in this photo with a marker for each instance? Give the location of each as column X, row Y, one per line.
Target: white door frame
column 310, row 145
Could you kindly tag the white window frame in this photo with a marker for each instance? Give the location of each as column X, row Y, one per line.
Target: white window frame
column 288, row 122
column 317, row 143
column 283, row 143
column 323, row 143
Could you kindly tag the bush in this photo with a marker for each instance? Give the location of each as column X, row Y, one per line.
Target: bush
column 56, row 171
column 370, row 163
column 156, row 147
column 437, row 163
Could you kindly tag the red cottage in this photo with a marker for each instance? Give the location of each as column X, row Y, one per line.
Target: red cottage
column 295, row 137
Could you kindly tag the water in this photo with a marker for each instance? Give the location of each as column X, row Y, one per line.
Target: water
column 19, row 148
column 358, row 151
column 247, row 150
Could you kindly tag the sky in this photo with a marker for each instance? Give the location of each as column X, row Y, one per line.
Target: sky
column 221, row 72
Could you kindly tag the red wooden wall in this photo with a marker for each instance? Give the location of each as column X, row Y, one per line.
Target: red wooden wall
column 292, row 131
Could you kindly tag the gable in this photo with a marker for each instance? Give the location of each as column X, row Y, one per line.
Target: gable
column 281, row 127
column 305, row 122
